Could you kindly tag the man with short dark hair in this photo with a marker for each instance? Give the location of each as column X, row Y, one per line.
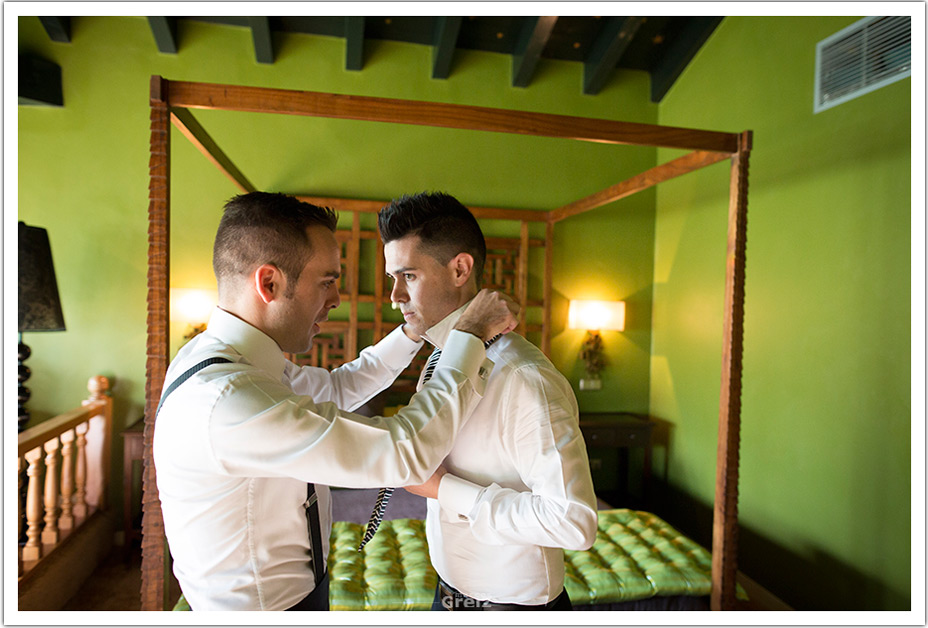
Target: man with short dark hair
column 242, row 431
column 516, row 487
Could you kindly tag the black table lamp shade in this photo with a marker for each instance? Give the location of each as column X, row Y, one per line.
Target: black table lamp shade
column 39, row 304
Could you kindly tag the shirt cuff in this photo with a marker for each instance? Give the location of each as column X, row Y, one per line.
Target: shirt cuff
column 396, row 349
column 466, row 353
column 458, row 496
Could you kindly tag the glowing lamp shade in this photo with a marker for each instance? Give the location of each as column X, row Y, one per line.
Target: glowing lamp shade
column 192, row 306
column 598, row 315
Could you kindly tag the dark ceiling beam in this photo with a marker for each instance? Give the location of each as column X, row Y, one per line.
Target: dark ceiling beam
column 39, row 82
column 532, row 40
column 354, row 42
column 446, row 39
column 164, row 30
column 261, row 33
column 606, row 51
column 681, row 52
column 58, row 28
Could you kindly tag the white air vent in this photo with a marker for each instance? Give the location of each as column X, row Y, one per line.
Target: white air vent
column 865, row 56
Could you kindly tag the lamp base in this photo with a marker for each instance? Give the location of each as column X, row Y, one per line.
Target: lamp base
column 24, row 393
column 591, row 383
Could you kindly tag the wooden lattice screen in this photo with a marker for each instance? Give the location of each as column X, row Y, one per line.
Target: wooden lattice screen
column 340, row 341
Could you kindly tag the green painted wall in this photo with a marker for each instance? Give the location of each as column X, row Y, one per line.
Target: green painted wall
column 83, row 175
column 825, row 471
column 825, row 451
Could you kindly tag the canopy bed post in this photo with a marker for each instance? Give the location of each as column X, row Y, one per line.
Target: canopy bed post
column 725, row 521
column 154, row 556
column 169, row 103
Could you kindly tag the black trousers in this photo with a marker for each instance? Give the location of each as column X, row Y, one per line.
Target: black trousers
column 318, row 598
column 560, row 603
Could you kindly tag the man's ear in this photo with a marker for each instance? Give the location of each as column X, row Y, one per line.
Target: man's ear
column 462, row 265
column 269, row 282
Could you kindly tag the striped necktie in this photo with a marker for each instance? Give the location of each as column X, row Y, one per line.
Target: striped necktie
column 385, row 493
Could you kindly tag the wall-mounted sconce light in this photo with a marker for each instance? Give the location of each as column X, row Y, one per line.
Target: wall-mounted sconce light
column 595, row 316
column 192, row 307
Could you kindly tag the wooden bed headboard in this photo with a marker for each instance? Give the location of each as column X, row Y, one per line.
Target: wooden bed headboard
column 172, row 102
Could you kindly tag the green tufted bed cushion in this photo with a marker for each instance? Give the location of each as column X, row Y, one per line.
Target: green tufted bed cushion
column 636, row 556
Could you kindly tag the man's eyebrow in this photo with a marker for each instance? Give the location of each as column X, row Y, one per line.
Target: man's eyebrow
column 402, row 269
column 334, row 274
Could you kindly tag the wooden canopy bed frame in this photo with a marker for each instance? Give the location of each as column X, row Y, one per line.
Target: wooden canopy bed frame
column 171, row 102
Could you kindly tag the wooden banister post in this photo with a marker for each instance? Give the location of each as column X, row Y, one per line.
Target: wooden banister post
column 99, row 386
column 50, row 532
column 19, row 502
column 33, row 548
column 54, row 461
column 66, row 520
column 80, row 472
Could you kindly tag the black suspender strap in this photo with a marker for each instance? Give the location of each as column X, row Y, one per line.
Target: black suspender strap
column 315, row 532
column 312, row 502
column 187, row 375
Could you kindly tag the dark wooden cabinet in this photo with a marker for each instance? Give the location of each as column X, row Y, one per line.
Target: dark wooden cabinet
column 133, row 445
column 609, row 437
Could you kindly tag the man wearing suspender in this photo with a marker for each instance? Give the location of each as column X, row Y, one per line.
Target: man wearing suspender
column 246, row 442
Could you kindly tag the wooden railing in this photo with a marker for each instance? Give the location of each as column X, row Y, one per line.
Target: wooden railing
column 66, row 460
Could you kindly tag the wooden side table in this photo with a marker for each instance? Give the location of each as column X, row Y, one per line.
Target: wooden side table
column 133, row 443
column 620, row 430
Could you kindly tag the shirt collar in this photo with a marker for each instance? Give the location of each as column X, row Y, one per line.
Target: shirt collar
column 438, row 333
column 253, row 344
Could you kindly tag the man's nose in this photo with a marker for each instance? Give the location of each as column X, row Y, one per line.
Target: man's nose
column 336, row 298
column 398, row 295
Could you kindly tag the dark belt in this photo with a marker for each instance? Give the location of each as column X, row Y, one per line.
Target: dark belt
column 454, row 600
column 317, row 599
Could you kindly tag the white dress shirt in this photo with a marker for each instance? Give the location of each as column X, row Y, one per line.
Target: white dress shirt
column 518, row 487
column 235, row 445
